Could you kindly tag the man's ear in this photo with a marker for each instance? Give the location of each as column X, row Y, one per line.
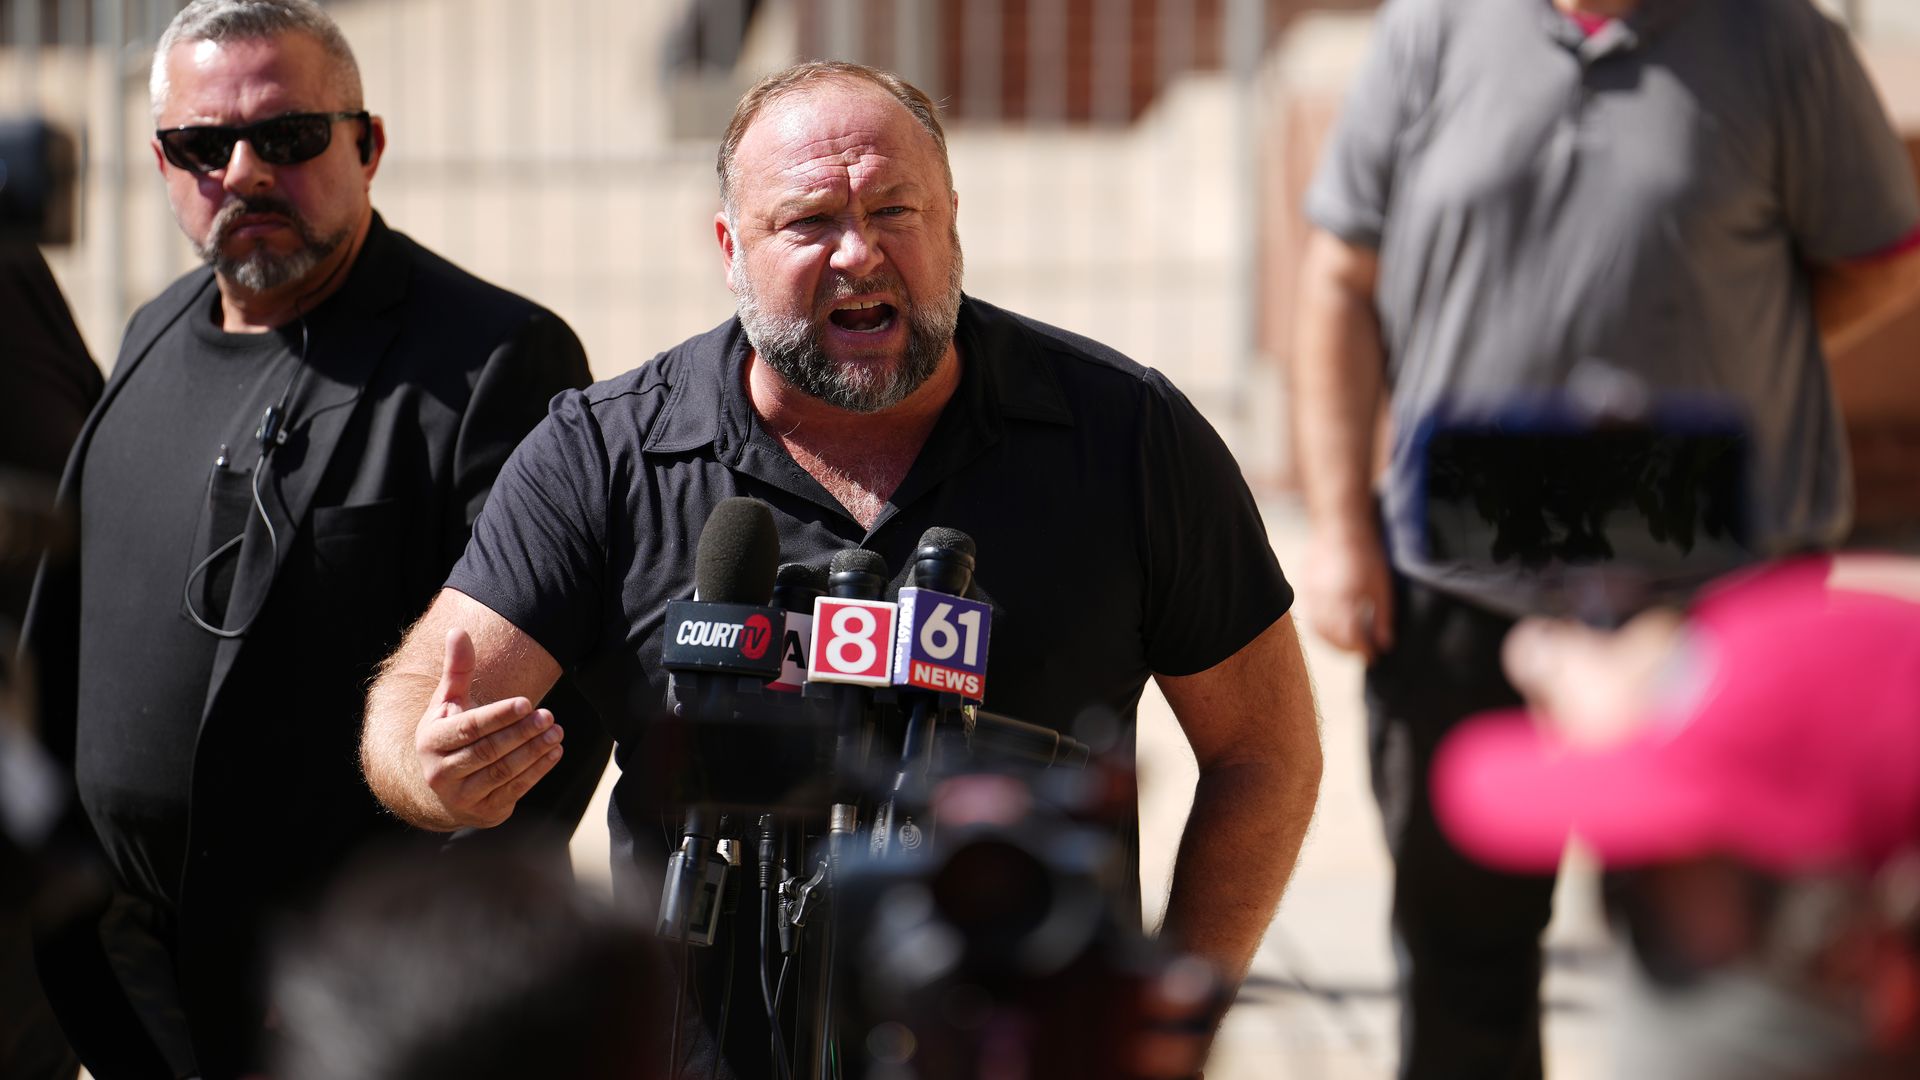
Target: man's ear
column 159, row 157
column 723, row 232
column 373, row 146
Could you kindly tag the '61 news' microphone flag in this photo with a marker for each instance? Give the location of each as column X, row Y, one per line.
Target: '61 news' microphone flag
column 942, row 643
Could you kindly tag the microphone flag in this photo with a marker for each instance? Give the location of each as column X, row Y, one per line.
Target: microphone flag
column 734, row 639
column 852, row 641
column 942, row 644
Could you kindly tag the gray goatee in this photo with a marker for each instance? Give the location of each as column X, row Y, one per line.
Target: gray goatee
column 257, row 269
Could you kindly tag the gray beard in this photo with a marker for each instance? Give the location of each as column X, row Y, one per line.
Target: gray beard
column 791, row 344
column 259, row 270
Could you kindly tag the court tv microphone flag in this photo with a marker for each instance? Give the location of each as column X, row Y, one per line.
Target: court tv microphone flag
column 729, row 629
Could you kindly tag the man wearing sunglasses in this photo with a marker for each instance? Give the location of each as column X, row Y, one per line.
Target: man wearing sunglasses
column 285, row 465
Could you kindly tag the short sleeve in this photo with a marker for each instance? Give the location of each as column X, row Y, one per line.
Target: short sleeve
column 1847, row 184
column 537, row 556
column 521, row 377
column 1353, row 182
column 1213, row 581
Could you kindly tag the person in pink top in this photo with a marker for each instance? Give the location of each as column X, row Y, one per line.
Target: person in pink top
column 1700, row 199
column 1754, row 767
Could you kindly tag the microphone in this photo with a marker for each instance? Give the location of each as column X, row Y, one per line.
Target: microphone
column 795, row 587
column 940, row 652
column 726, row 633
column 942, row 644
column 944, row 560
column 1018, row 740
column 728, row 629
column 857, row 574
column 853, row 627
column 852, row 651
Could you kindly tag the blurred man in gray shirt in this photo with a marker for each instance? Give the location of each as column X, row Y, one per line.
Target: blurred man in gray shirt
column 1696, row 192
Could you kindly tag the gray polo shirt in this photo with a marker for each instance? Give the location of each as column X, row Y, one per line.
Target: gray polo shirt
column 1651, row 197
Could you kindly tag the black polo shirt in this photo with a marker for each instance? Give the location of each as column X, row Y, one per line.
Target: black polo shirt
column 1116, row 536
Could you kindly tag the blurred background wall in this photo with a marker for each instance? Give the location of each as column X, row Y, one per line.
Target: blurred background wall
column 1129, row 169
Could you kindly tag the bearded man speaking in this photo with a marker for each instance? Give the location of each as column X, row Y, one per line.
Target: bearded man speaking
column 864, row 399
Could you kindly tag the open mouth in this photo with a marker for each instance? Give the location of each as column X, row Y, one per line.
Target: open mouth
column 863, row 316
column 250, row 226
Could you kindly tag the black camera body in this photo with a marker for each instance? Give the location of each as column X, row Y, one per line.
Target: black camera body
column 996, row 950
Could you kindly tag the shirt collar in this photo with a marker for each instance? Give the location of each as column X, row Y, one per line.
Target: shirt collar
column 1002, row 377
column 1622, row 35
column 698, row 403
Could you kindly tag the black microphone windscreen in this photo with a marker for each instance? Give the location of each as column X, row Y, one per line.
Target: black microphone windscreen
column 948, row 539
column 858, row 560
column 797, row 585
column 738, row 553
column 943, row 561
column 800, row 575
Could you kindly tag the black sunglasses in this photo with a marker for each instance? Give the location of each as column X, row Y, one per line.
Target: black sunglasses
column 282, row 140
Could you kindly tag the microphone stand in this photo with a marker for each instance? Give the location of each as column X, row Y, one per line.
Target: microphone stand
column 807, row 937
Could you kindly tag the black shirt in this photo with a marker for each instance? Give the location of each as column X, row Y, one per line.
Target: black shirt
column 1116, row 536
column 168, row 483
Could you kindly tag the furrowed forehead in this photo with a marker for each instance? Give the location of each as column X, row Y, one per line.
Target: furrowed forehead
column 823, row 137
column 814, row 78
column 834, row 190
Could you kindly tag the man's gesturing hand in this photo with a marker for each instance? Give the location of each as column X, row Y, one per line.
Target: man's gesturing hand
column 480, row 760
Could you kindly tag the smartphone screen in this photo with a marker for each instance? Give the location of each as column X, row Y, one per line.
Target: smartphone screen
column 1664, row 499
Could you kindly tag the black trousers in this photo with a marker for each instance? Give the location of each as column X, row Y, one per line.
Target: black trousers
column 1466, row 939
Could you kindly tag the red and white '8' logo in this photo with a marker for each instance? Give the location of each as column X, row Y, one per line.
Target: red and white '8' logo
column 852, row 642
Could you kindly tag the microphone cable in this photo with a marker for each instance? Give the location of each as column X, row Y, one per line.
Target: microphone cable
column 779, row 1042
column 271, row 435
column 681, row 993
column 726, row 1002
column 780, row 987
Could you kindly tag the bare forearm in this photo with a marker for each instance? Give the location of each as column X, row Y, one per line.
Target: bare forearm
column 459, row 658
column 1854, row 301
column 1256, row 734
column 452, row 736
column 387, row 755
column 1242, row 839
column 1339, row 374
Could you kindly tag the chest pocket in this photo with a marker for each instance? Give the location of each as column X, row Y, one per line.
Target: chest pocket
column 350, row 541
column 359, row 583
